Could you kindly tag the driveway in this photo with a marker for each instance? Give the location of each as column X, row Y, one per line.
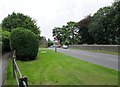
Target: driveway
column 106, row 60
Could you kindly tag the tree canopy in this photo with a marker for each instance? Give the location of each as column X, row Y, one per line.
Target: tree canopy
column 66, row 34
column 104, row 26
column 19, row 20
column 84, row 36
column 101, row 28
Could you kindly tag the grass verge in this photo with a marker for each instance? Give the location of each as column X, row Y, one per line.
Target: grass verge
column 52, row 68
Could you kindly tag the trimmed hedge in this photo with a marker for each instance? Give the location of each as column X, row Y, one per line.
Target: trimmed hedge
column 1, row 47
column 25, row 42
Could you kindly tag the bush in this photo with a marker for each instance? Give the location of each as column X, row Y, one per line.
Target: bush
column 5, row 40
column 25, row 42
column 1, row 47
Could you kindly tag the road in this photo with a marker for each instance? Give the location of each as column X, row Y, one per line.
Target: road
column 3, row 66
column 106, row 60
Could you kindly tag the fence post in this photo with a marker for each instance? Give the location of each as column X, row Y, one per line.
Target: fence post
column 13, row 64
column 21, row 83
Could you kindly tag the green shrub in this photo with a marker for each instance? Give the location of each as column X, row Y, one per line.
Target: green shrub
column 1, row 47
column 5, row 40
column 25, row 42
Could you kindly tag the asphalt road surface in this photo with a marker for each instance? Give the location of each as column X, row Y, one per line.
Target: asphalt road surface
column 106, row 60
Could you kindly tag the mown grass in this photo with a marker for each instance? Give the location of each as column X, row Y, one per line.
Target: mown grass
column 52, row 68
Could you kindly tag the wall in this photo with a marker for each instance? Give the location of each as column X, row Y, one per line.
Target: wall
column 111, row 48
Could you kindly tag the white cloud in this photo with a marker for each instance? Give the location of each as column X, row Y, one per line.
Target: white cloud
column 52, row 13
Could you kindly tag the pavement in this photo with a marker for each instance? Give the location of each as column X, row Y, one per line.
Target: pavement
column 3, row 66
column 106, row 60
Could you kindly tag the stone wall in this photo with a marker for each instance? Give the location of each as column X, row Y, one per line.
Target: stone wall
column 111, row 48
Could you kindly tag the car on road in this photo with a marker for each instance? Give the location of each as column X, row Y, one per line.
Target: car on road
column 65, row 47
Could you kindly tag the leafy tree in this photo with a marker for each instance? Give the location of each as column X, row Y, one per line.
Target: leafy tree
column 83, row 34
column 73, row 31
column 20, row 20
column 50, row 43
column 99, row 26
column 66, row 34
column 104, row 26
column 58, row 32
column 115, row 10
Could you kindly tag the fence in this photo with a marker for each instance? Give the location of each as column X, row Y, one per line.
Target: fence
column 21, row 80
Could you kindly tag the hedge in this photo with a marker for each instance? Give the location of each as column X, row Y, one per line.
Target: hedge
column 5, row 41
column 25, row 42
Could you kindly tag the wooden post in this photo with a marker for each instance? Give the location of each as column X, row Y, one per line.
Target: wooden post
column 13, row 67
column 23, row 82
column 14, row 57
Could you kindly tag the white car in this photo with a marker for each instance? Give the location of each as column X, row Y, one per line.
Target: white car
column 64, row 46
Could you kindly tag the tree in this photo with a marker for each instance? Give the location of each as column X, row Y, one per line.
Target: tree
column 19, row 20
column 57, row 31
column 104, row 26
column 73, row 31
column 115, row 10
column 49, row 43
column 83, row 34
column 67, row 33
column 99, row 26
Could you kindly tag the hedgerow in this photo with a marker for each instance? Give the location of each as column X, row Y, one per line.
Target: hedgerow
column 25, row 43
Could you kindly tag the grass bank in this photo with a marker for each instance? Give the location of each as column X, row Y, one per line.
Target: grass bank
column 52, row 68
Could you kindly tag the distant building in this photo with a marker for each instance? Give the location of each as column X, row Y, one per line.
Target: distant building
column 43, row 42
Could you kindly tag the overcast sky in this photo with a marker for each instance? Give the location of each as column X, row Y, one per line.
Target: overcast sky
column 52, row 13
